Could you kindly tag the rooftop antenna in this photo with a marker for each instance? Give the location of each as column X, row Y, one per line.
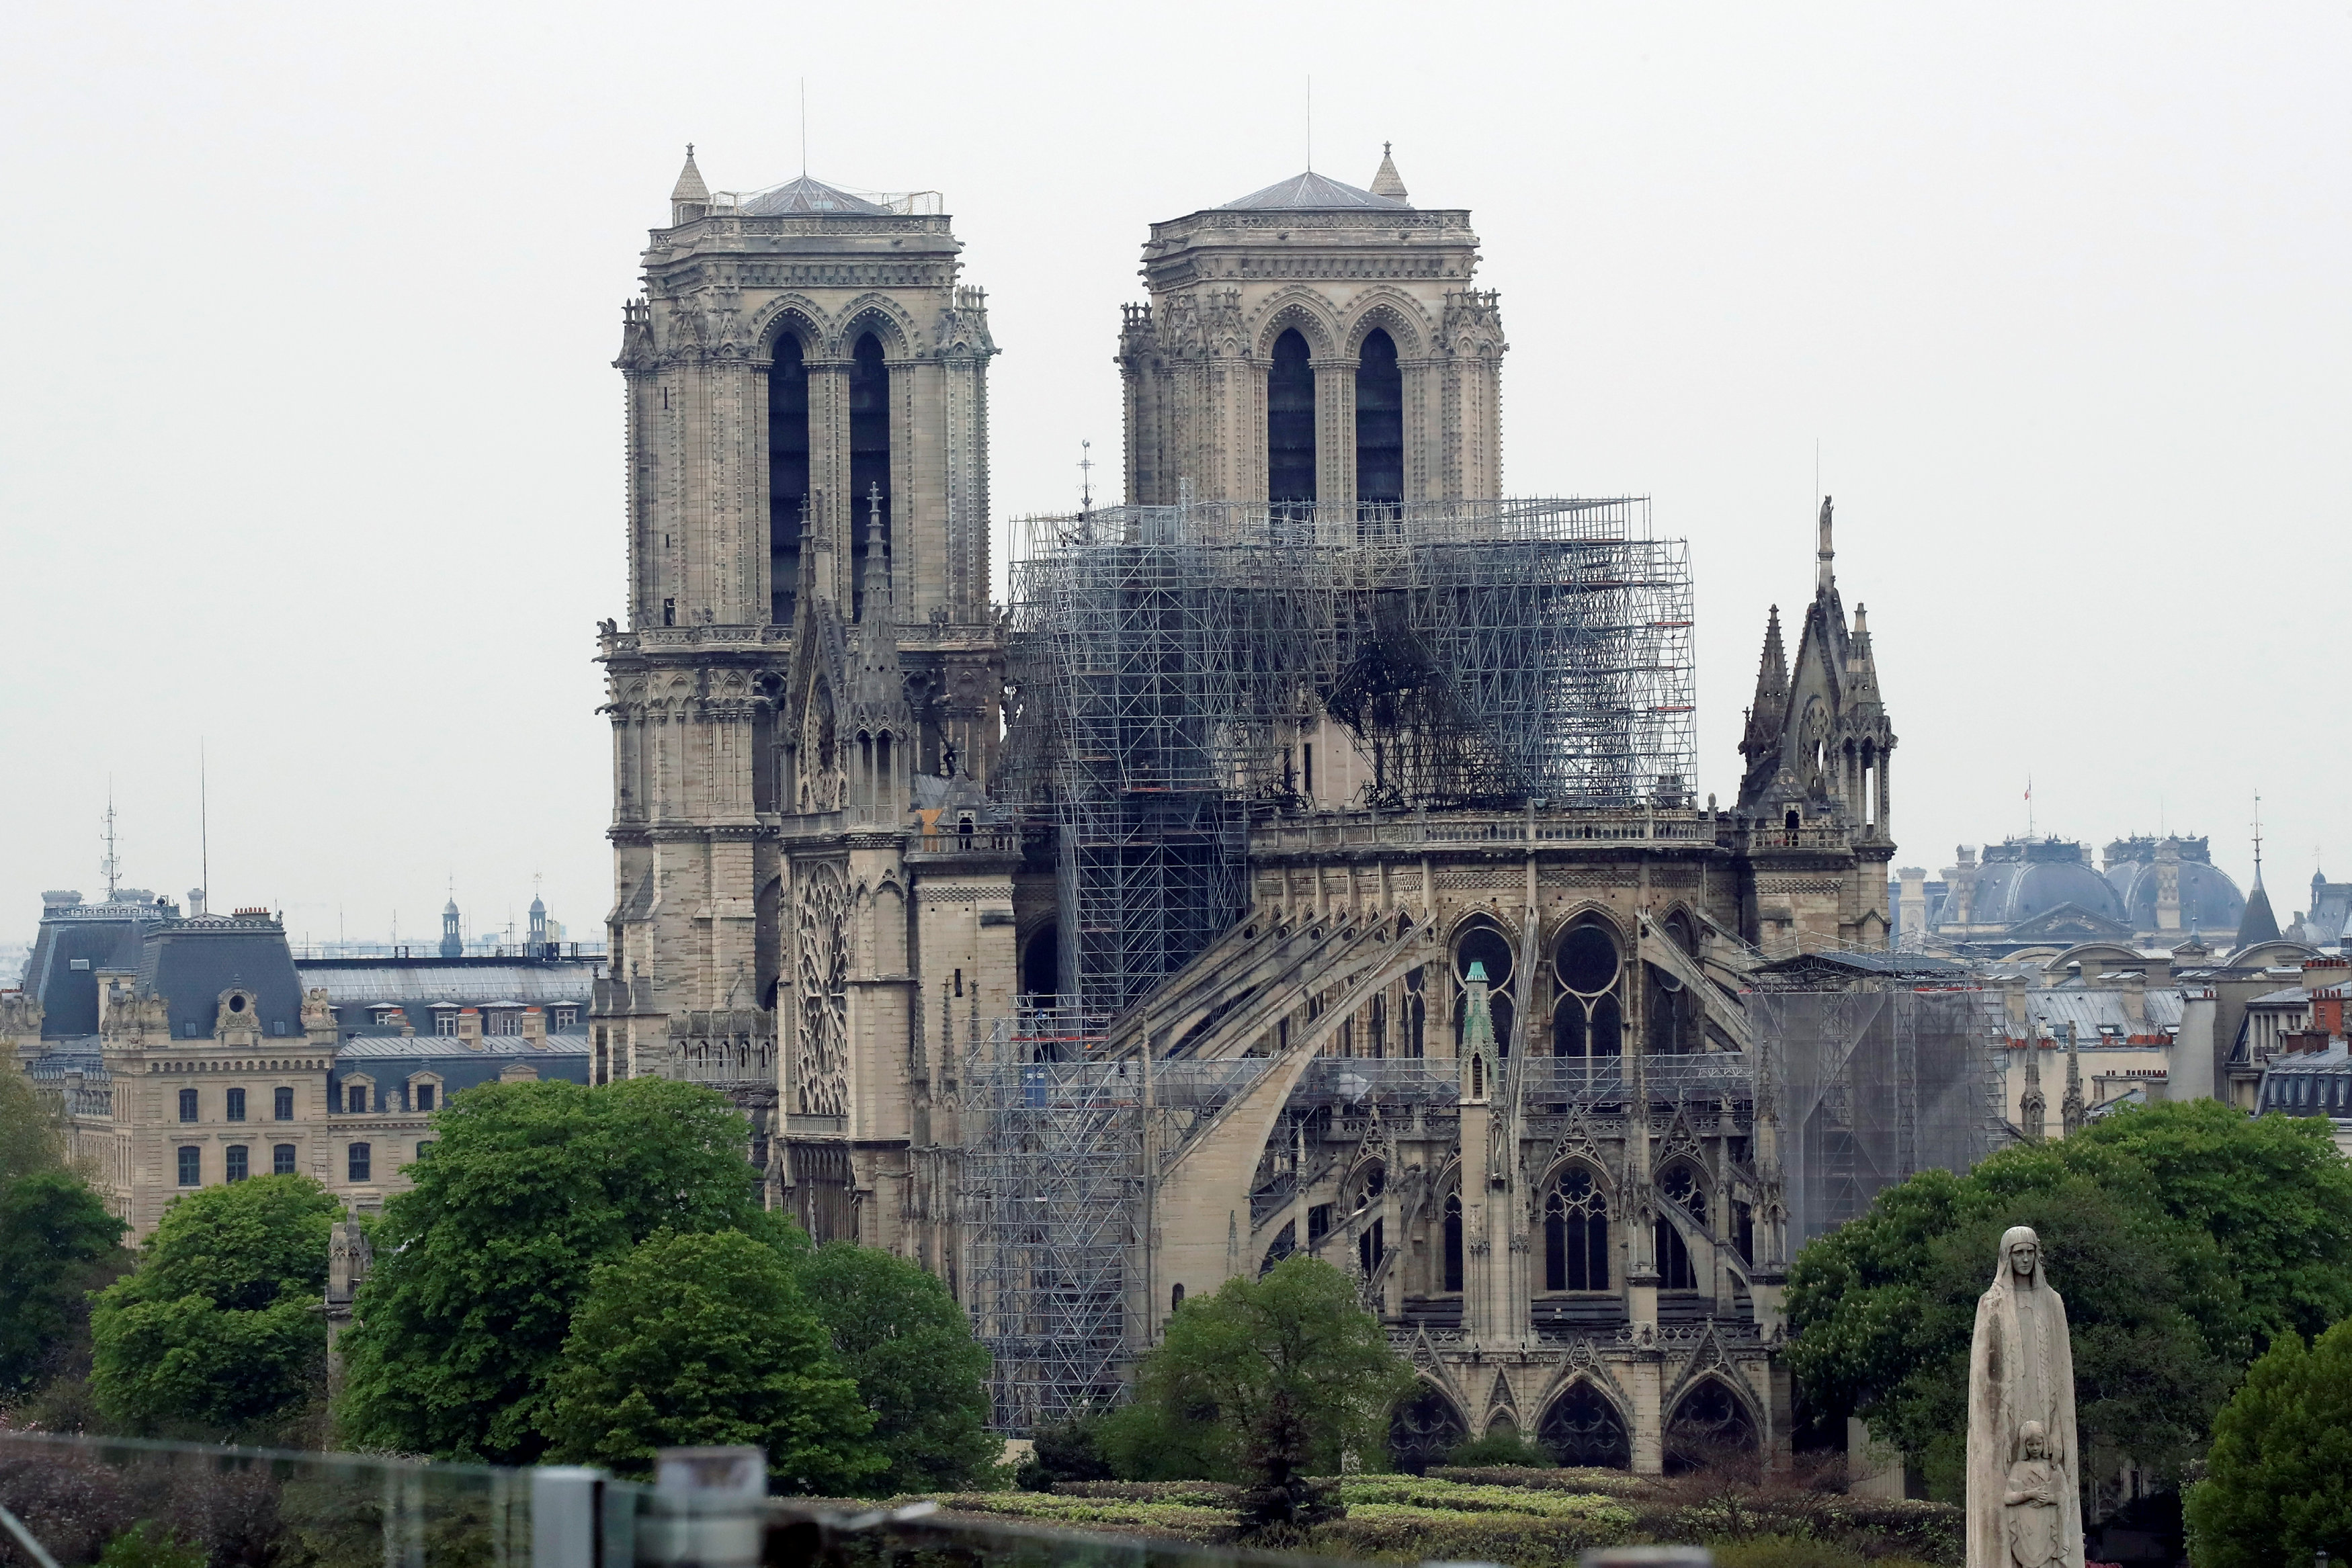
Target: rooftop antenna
column 204, row 827
column 1310, row 125
column 1086, row 477
column 2029, row 806
column 803, row 128
column 112, row 864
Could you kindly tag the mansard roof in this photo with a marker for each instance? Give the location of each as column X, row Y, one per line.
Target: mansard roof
column 191, row 963
column 1311, row 192
column 807, row 195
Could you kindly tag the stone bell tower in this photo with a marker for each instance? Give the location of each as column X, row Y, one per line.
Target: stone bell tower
column 810, row 655
column 1314, row 344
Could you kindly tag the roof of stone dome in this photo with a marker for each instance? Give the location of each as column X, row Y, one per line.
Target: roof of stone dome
column 2023, row 878
column 807, row 195
column 1311, row 192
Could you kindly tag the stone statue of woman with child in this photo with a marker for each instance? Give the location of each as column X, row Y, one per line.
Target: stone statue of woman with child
column 2025, row 1507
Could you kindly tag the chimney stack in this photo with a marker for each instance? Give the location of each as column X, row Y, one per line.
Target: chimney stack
column 470, row 1028
column 534, row 1029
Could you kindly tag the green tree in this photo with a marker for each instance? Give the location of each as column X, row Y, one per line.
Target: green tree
column 901, row 1335
column 1267, row 1381
column 2271, row 1191
column 2152, row 1221
column 217, row 1329
column 57, row 1242
column 1069, row 1450
column 148, row 1544
column 2278, row 1479
column 479, row 1267
column 32, row 1127
column 708, row 1338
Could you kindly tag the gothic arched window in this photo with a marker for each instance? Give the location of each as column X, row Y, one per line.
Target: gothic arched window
column 1424, row 1429
column 788, row 475
column 1583, row 1428
column 1379, row 427
column 1487, row 947
column 1290, row 427
column 1708, row 1424
column 869, row 475
column 1576, row 1233
column 1586, row 1020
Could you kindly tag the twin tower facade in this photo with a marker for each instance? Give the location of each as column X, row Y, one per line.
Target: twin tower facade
column 808, row 685
column 1547, row 1162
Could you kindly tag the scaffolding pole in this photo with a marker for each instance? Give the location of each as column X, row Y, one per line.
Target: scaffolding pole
column 1874, row 1083
column 1477, row 653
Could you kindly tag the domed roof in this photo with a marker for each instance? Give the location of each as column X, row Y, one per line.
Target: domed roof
column 2023, row 878
column 2209, row 899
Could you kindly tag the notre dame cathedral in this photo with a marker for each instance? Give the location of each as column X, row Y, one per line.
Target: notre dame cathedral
column 1322, row 807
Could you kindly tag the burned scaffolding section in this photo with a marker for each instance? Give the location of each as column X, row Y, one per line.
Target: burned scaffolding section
column 1484, row 654
column 1883, row 1065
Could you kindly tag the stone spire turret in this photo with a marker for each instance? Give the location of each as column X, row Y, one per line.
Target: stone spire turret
column 2070, row 1105
column 691, row 198
column 1770, row 709
column 2032, row 1110
column 1862, row 670
column 1387, row 182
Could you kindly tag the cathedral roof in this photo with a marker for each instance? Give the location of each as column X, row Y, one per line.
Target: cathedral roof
column 1310, row 191
column 807, row 195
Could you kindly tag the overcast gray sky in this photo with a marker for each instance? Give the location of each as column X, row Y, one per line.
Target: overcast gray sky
column 310, row 443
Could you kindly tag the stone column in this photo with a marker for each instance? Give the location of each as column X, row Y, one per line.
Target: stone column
column 1424, row 464
column 1335, row 447
column 1886, row 793
column 829, row 498
column 1641, row 1378
column 738, row 516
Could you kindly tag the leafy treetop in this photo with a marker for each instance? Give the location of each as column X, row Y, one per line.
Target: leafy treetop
column 216, row 1329
column 480, row 1266
column 2278, row 1479
column 694, row 1340
column 901, row 1335
column 1286, row 1361
column 2155, row 1226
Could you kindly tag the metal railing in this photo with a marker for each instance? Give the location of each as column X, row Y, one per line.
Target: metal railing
column 1374, row 828
column 707, row 1509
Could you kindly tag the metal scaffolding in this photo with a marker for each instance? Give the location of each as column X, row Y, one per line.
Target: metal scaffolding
column 1875, row 1081
column 1052, row 1173
column 1476, row 654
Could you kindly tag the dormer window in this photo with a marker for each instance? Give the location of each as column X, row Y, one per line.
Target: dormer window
column 567, row 1017
column 444, row 1019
